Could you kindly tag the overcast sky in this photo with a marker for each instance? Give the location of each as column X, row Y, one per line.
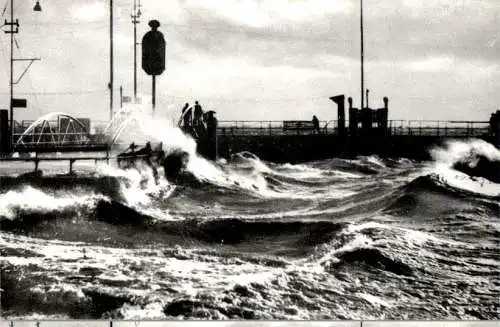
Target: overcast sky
column 264, row 59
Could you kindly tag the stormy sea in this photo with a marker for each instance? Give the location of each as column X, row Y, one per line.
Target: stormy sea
column 363, row 238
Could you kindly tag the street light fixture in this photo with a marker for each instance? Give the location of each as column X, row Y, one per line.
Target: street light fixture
column 135, row 20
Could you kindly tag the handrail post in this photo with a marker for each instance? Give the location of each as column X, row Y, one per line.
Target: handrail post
column 71, row 161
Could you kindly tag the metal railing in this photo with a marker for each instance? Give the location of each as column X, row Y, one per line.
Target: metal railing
column 394, row 127
column 439, row 128
column 261, row 127
column 268, row 127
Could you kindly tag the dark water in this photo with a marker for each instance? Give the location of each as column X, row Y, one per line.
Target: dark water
column 368, row 238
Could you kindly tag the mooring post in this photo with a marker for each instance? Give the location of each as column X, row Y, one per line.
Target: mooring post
column 71, row 161
column 36, row 162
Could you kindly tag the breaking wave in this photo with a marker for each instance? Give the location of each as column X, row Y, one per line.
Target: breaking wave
column 369, row 237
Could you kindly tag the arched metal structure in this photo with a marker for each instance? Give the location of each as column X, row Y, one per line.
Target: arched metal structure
column 55, row 129
column 123, row 119
column 116, row 126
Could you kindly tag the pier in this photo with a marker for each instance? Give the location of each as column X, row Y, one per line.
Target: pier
column 278, row 141
column 411, row 139
column 71, row 159
column 366, row 132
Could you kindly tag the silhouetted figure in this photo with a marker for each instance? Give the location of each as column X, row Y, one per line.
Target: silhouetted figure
column 315, row 122
column 187, row 120
column 145, row 152
column 198, row 119
column 146, row 155
column 208, row 143
column 211, row 122
column 132, row 147
column 198, row 113
column 126, row 158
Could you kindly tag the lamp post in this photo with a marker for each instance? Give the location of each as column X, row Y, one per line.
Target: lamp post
column 14, row 29
column 110, row 59
column 135, row 20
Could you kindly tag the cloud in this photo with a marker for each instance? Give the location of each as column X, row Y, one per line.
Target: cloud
column 254, row 13
column 471, row 69
column 431, row 64
column 89, row 11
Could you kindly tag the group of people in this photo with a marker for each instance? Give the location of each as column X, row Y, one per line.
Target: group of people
column 191, row 117
column 147, row 154
column 195, row 121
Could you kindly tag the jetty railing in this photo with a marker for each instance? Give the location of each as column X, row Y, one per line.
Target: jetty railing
column 268, row 127
column 394, row 127
column 437, row 128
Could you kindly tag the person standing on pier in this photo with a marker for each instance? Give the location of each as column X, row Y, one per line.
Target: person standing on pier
column 198, row 119
column 315, row 122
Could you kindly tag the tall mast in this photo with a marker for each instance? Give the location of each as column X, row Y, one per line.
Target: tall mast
column 11, row 106
column 110, row 59
column 135, row 20
column 362, row 59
